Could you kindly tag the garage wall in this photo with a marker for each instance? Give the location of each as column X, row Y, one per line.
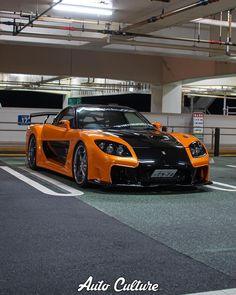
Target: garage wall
column 10, row 131
column 16, row 133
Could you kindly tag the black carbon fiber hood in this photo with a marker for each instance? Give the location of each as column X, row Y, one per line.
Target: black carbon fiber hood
column 147, row 139
column 160, row 149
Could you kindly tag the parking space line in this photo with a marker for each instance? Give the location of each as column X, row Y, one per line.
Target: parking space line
column 231, row 166
column 71, row 191
column 53, row 181
column 224, row 184
column 222, row 187
column 220, row 292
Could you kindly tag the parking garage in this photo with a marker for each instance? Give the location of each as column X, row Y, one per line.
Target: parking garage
column 173, row 62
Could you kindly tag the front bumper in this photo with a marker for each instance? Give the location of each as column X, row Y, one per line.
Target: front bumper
column 142, row 176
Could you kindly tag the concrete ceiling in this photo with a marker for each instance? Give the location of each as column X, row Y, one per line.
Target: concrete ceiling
column 129, row 31
column 85, row 31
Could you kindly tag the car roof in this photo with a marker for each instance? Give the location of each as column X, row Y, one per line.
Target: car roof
column 100, row 106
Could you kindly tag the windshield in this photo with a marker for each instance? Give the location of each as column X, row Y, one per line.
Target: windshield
column 108, row 118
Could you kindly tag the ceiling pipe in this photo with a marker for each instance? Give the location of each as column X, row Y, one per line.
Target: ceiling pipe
column 84, row 85
column 41, row 82
column 167, row 46
column 163, row 15
column 116, row 40
column 66, row 87
column 193, row 40
column 229, row 32
column 17, row 30
column 121, row 34
column 207, row 95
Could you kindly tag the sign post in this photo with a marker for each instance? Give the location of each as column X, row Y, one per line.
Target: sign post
column 198, row 125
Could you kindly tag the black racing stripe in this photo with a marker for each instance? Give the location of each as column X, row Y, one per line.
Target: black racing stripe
column 163, row 149
column 147, row 138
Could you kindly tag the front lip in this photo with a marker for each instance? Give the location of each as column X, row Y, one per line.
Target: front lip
column 164, row 186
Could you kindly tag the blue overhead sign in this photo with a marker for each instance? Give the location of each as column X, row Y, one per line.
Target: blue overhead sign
column 23, row 119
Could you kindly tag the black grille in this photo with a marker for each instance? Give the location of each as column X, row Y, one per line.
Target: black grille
column 142, row 175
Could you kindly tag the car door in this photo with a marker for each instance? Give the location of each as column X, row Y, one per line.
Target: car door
column 56, row 138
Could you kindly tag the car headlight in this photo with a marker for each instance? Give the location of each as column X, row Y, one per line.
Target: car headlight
column 197, row 149
column 113, row 148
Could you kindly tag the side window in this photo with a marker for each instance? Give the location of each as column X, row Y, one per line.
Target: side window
column 67, row 114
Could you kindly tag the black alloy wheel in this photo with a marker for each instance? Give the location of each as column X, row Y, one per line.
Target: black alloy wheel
column 32, row 152
column 80, row 165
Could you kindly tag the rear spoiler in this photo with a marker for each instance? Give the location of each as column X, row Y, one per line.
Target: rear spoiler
column 47, row 114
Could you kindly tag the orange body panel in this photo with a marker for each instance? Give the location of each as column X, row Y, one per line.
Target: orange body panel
column 186, row 140
column 99, row 163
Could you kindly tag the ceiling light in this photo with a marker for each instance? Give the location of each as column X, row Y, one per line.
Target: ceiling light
column 107, row 4
column 81, row 9
column 18, row 75
column 213, row 22
column 131, row 89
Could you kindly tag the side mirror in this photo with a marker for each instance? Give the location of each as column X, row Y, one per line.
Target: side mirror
column 157, row 126
column 64, row 124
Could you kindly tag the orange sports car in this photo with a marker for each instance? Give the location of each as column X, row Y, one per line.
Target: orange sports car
column 115, row 145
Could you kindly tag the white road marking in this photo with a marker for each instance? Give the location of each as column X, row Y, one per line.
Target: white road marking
column 226, row 187
column 231, row 166
column 220, row 188
column 71, row 191
column 54, row 181
column 224, row 184
column 220, row 292
column 212, row 161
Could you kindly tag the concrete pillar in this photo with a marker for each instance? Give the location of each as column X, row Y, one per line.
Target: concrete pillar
column 65, row 100
column 172, row 98
column 156, row 99
column 167, row 99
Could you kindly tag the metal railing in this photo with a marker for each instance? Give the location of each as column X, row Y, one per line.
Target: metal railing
column 10, row 129
column 230, row 110
column 219, row 140
column 215, row 138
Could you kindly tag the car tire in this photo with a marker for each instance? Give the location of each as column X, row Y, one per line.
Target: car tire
column 32, row 153
column 80, row 165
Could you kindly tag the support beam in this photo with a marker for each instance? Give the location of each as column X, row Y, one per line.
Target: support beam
column 157, row 70
column 164, row 14
column 184, row 17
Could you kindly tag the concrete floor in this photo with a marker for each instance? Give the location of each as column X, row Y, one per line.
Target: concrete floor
column 185, row 240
